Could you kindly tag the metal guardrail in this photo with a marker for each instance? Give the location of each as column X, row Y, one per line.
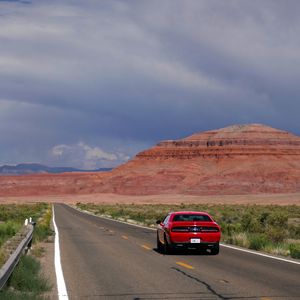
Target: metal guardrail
column 13, row 260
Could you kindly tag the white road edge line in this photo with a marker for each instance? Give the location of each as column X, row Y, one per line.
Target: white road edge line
column 221, row 244
column 110, row 219
column 260, row 254
column 61, row 286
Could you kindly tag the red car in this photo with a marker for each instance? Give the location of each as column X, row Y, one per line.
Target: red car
column 188, row 229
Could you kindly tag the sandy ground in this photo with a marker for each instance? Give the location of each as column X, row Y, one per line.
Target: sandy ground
column 259, row 199
column 47, row 264
column 48, row 271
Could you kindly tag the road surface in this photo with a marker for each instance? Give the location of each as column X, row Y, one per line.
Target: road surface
column 103, row 259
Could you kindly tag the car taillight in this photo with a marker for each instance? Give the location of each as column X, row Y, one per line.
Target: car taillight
column 210, row 229
column 195, row 229
column 180, row 229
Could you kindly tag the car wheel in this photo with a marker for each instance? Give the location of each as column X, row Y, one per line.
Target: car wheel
column 167, row 249
column 159, row 244
column 215, row 250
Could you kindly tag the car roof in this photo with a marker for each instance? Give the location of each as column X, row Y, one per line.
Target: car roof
column 189, row 213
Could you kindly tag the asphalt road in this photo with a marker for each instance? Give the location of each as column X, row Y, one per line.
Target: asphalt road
column 103, row 259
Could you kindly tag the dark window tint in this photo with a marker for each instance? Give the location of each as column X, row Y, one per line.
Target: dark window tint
column 191, row 218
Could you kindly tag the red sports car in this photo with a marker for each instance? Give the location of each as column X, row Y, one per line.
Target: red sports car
column 188, row 229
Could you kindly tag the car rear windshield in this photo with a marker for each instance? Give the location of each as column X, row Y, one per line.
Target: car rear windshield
column 191, row 218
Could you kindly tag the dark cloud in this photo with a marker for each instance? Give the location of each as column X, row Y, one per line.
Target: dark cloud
column 20, row 1
column 118, row 76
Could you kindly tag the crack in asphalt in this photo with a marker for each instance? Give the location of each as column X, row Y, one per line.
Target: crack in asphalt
column 211, row 289
column 202, row 282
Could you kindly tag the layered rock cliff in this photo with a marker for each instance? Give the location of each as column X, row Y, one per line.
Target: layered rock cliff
column 238, row 159
column 231, row 141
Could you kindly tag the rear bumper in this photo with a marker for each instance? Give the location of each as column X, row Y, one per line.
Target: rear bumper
column 185, row 238
column 202, row 245
column 180, row 237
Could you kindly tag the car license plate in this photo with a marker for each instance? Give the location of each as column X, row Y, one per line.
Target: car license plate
column 195, row 241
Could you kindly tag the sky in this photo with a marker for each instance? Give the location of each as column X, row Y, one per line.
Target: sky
column 90, row 83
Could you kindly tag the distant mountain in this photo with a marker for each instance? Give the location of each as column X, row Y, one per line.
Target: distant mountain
column 32, row 168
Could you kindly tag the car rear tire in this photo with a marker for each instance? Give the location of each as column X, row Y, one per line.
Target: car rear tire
column 159, row 244
column 167, row 249
column 215, row 250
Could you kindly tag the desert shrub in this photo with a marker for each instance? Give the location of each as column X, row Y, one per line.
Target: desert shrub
column 278, row 219
column 15, row 295
column 228, row 229
column 250, row 223
column 19, row 212
column 276, row 234
column 2, row 257
column 41, row 233
column 294, row 231
column 26, row 281
column 42, row 228
column 295, row 250
column 257, row 241
column 100, row 211
column 37, row 251
column 263, row 218
column 12, row 217
column 240, row 239
column 7, row 230
column 281, row 249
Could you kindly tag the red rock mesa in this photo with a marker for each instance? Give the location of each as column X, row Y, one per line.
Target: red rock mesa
column 238, row 159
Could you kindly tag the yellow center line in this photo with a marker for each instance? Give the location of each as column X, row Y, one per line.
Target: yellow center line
column 180, row 263
column 125, row 237
column 146, row 247
column 265, row 298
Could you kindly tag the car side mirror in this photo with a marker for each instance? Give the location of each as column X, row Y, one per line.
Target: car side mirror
column 158, row 222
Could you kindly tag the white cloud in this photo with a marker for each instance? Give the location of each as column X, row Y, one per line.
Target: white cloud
column 59, row 150
column 85, row 156
column 96, row 153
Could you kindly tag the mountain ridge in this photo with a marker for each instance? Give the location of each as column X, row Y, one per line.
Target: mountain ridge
column 35, row 168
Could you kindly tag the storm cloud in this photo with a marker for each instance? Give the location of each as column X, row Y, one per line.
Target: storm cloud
column 119, row 76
